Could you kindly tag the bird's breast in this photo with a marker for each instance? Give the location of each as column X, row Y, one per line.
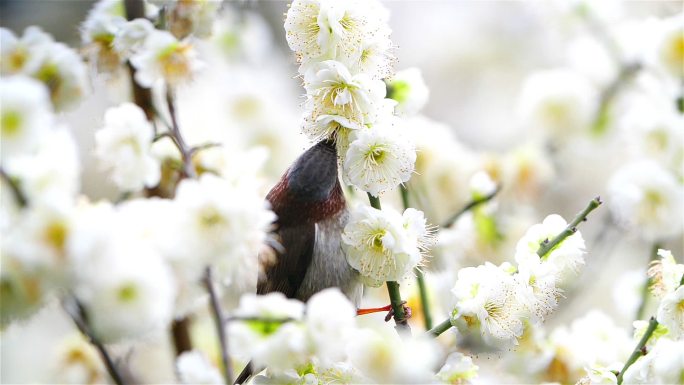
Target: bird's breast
column 329, row 266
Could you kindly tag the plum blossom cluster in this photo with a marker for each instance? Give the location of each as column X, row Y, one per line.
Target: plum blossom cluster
column 131, row 267
column 344, row 48
column 384, row 245
column 497, row 301
column 322, row 342
column 628, row 93
column 37, row 55
column 158, row 55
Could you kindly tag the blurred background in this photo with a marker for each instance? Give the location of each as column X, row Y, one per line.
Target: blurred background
column 475, row 57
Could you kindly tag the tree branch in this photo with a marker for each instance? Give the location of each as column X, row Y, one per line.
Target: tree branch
column 77, row 314
column 220, row 328
column 639, row 349
column 471, row 205
column 186, row 153
column 546, row 247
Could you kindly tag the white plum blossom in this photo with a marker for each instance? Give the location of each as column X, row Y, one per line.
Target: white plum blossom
column 384, row 246
column 50, row 175
column 669, row 54
column 193, row 367
column 75, row 361
column 590, row 341
column 381, row 356
column 57, row 66
column 23, row 55
column 458, row 369
column 336, row 97
column 25, row 115
column 598, row 375
column 126, row 288
column 163, row 57
column 270, row 332
column 671, row 313
column 538, row 291
column 379, row 159
column 408, row 88
column 98, row 31
column 131, row 36
column 325, row 29
column 560, row 102
column 665, row 274
column 664, row 364
column 330, row 322
column 564, row 259
column 642, row 194
column 123, row 146
column 222, row 223
column 486, row 297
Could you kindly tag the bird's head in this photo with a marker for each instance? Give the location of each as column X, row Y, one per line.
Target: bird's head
column 309, row 190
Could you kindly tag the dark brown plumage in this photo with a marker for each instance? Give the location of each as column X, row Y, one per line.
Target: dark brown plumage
column 312, row 213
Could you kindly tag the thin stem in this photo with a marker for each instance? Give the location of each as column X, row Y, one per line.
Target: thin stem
column 77, row 314
column 627, row 71
column 639, row 349
column 180, row 331
column 393, row 286
column 424, row 299
column 441, row 328
column 218, row 319
column 420, row 276
column 471, row 205
column 644, row 289
column 546, row 247
column 203, row 146
column 185, row 151
column 14, row 186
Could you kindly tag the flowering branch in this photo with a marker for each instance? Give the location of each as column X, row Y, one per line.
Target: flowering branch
column 218, row 318
column 639, row 349
column 420, row 277
column 393, row 286
column 546, row 247
column 77, row 314
column 471, row 205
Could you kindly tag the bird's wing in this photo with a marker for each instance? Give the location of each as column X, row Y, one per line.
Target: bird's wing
column 286, row 273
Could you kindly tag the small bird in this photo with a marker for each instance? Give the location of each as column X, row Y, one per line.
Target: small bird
column 312, row 213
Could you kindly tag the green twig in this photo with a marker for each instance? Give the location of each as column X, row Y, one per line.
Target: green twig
column 420, row 277
column 639, row 349
column 546, row 247
column 393, row 286
column 441, row 328
column 471, row 205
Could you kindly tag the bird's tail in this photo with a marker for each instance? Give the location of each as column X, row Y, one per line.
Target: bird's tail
column 245, row 375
